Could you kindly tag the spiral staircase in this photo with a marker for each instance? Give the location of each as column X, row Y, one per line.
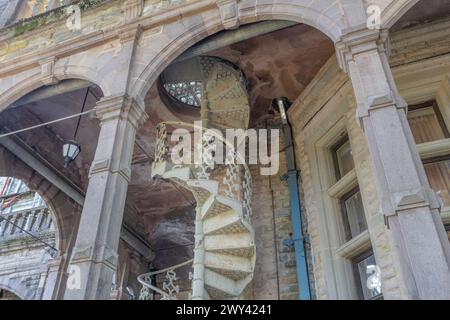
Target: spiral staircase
column 224, row 253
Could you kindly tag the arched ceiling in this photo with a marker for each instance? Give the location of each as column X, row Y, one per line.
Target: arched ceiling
column 422, row 12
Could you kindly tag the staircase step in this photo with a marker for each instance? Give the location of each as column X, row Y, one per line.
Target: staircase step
column 220, row 287
column 233, row 267
column 237, row 244
column 225, row 223
column 212, row 207
column 211, row 186
column 203, row 189
column 159, row 168
column 182, row 173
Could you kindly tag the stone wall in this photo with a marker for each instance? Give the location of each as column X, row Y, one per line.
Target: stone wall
column 23, row 267
column 275, row 273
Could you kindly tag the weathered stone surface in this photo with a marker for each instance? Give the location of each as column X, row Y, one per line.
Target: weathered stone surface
column 122, row 48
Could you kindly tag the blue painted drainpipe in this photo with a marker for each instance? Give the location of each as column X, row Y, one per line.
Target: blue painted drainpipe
column 298, row 237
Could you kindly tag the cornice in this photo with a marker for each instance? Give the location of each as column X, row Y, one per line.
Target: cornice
column 124, row 107
column 94, row 39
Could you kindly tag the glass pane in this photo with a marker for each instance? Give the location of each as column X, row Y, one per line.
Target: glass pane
column 439, row 176
column 13, row 186
column 23, row 188
column 370, row 278
column 425, row 125
column 23, row 204
column 189, row 93
column 355, row 215
column 345, row 159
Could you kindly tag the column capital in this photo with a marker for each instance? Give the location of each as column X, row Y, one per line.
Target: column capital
column 363, row 54
column 121, row 107
column 359, row 42
column 97, row 254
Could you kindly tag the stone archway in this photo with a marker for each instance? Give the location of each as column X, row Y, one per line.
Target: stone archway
column 62, row 208
column 14, row 88
column 66, row 210
column 330, row 17
column 33, row 243
column 392, row 11
column 176, row 42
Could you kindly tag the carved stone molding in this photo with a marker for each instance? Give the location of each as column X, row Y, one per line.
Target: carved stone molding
column 229, row 13
column 121, row 107
column 48, row 71
column 133, row 9
column 98, row 254
column 129, row 34
column 359, row 42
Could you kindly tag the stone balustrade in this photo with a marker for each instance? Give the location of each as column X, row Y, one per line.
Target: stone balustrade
column 21, row 224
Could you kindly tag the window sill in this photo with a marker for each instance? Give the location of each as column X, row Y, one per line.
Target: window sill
column 343, row 186
column 434, row 149
column 356, row 246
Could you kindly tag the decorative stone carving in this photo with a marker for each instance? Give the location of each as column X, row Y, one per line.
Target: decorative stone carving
column 133, row 9
column 229, row 13
column 48, row 71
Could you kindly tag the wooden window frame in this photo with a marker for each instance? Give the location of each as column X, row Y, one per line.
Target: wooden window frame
column 355, row 261
column 343, row 140
column 436, row 159
column 437, row 112
column 344, row 213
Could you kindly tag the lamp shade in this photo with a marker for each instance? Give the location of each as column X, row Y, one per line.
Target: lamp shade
column 71, row 150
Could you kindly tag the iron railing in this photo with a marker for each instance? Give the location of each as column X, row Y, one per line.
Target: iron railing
column 170, row 289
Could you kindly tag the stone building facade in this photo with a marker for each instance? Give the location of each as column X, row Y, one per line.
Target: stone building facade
column 358, row 91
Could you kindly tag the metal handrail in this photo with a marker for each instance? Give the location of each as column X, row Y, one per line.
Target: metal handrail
column 142, row 278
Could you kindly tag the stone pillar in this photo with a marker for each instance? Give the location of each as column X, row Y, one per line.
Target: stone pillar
column 54, row 275
column 409, row 206
column 95, row 254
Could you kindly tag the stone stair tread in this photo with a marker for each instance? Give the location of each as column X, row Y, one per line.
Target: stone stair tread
column 210, row 186
column 212, row 207
column 233, row 267
column 219, row 286
column 238, row 244
column 224, row 223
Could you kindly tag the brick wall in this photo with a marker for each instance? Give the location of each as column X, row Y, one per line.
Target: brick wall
column 276, row 273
